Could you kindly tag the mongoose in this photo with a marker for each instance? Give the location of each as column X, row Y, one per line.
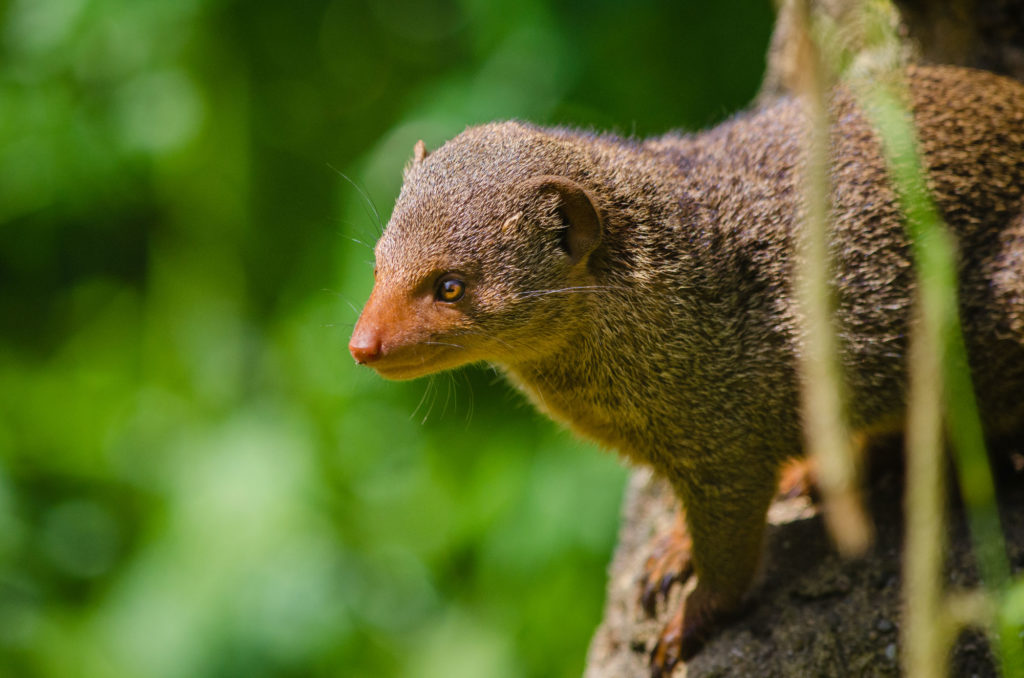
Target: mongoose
column 641, row 292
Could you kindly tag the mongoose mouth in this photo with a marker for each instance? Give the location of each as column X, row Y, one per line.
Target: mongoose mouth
column 429, row 359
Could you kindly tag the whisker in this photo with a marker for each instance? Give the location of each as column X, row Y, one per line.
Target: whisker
column 470, row 399
column 359, row 242
column 339, row 295
column 441, row 343
column 447, row 395
column 567, row 290
column 494, row 368
column 366, row 196
column 455, row 391
column 355, row 309
column 423, row 398
column 469, row 386
column 484, row 334
column 433, row 401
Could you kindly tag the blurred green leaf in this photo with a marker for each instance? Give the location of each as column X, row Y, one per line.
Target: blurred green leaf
column 195, row 480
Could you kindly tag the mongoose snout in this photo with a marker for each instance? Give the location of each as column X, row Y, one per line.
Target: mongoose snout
column 397, row 332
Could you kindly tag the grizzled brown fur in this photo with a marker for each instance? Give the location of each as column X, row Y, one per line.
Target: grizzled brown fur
column 641, row 292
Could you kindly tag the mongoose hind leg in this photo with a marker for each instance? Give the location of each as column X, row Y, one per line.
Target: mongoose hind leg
column 725, row 516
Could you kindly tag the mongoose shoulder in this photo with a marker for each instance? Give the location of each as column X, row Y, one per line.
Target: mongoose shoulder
column 641, row 292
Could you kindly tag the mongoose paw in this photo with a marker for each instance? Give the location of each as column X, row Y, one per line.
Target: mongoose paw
column 685, row 634
column 798, row 479
column 670, row 562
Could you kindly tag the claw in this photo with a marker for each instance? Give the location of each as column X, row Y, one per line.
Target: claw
column 648, row 600
column 666, row 583
column 662, row 670
column 670, row 562
column 665, row 654
column 685, row 634
column 662, row 664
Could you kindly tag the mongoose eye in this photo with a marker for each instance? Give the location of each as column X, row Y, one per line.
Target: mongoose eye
column 450, row 289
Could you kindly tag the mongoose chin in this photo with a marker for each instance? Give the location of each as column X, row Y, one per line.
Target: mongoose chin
column 641, row 293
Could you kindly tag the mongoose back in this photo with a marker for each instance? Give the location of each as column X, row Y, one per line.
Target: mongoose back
column 641, row 292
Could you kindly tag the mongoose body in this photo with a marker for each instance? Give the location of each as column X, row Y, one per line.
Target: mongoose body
column 641, row 292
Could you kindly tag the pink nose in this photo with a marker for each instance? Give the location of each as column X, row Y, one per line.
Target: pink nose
column 364, row 347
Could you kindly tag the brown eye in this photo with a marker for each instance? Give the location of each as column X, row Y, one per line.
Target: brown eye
column 450, row 289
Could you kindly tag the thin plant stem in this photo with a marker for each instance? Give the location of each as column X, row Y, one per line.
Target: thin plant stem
column 827, row 436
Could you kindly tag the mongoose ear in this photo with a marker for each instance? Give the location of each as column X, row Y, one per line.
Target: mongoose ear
column 419, row 152
column 583, row 228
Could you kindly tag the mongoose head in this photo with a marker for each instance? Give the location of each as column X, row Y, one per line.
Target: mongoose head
column 489, row 236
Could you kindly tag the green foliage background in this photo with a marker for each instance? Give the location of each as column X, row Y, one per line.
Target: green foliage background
column 195, row 480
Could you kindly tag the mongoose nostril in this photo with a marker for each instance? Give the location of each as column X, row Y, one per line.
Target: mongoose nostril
column 365, row 349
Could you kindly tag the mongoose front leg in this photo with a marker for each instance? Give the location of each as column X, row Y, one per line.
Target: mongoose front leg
column 671, row 551
column 725, row 515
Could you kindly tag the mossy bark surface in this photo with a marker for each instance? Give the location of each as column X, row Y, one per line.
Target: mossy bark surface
column 813, row 613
